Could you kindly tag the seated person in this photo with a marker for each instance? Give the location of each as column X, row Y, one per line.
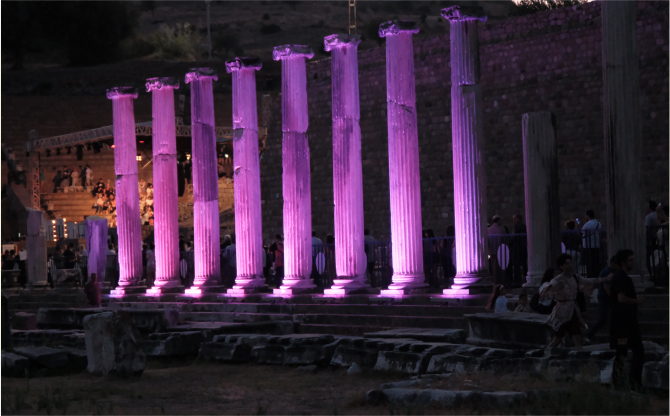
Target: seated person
column 99, row 204
column 523, row 304
column 146, row 216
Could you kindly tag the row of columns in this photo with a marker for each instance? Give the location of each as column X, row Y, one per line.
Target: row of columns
column 539, row 149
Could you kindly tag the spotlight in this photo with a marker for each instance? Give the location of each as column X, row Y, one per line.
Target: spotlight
column 139, row 157
column 111, row 146
column 142, row 141
column 226, row 155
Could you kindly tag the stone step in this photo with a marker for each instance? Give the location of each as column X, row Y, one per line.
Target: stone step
column 231, row 317
column 385, row 321
column 348, row 330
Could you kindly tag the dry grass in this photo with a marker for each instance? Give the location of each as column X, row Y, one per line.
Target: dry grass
column 194, row 387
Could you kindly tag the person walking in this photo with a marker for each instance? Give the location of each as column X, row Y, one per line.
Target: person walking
column 604, row 302
column 151, row 265
column 279, row 261
column 564, row 288
column 591, row 243
column 624, row 327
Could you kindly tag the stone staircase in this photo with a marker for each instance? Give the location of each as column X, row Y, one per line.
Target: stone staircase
column 73, row 206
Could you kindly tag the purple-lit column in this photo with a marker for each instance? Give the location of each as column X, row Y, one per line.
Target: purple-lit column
column 248, row 221
column 36, row 248
column 205, row 184
column 623, row 135
column 166, row 215
column 295, row 178
column 96, row 244
column 347, row 167
column 127, row 192
column 540, row 174
column 405, row 188
column 467, row 143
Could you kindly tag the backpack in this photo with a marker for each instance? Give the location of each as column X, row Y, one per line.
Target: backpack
column 540, row 308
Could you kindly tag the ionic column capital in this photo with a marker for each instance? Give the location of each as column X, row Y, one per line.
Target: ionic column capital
column 162, row 82
column 292, row 51
column 119, row 92
column 331, row 42
column 240, row 63
column 396, row 27
column 463, row 13
column 196, row 74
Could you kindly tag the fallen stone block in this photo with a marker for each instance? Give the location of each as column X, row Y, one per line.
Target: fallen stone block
column 226, row 352
column 113, row 344
column 655, row 374
column 447, row 399
column 509, row 330
column 454, row 336
column 406, row 384
column 47, row 357
column 269, row 354
column 174, row 343
column 14, row 365
column 77, row 358
column 447, row 363
column 346, row 355
column 24, row 321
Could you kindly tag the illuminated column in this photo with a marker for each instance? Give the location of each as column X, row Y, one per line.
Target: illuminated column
column 96, row 244
column 127, row 192
column 347, row 167
column 540, row 174
column 295, row 178
column 468, row 147
column 623, row 138
column 166, row 209
column 248, row 221
column 205, row 184
column 36, row 248
column 405, row 188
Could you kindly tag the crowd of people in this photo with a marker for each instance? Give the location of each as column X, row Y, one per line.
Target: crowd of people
column 74, row 179
column 562, row 296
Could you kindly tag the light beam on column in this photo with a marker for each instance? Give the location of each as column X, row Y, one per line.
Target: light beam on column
column 295, row 177
column 248, row 220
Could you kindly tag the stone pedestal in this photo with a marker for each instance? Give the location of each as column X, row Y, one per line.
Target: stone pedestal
column 248, row 220
column 623, row 138
column 127, row 191
column 350, row 259
column 467, row 142
column 405, row 188
column 540, row 174
column 166, row 205
column 96, row 244
column 205, row 185
column 36, row 248
column 295, row 177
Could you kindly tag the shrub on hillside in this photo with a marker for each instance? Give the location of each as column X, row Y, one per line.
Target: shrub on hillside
column 180, row 43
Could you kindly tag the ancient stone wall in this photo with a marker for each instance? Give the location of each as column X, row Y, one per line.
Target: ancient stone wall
column 548, row 61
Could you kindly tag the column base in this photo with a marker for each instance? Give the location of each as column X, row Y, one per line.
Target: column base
column 197, row 291
column 245, row 286
column 343, row 287
column 127, row 290
column 294, row 287
column 533, row 281
column 161, row 290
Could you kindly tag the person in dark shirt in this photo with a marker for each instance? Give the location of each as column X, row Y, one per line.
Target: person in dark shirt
column 624, row 327
column 604, row 302
column 69, row 257
column 519, row 226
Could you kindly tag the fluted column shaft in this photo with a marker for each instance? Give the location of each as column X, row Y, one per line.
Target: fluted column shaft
column 621, row 117
column 248, row 221
column 468, row 144
column 127, row 191
column 296, row 173
column 205, row 183
column 166, row 205
column 36, row 247
column 404, row 175
column 540, row 174
column 350, row 260
column 96, row 244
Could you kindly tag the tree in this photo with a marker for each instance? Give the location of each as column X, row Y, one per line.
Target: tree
column 532, row 6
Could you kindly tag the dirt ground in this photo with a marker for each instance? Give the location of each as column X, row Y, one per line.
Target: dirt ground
column 194, row 387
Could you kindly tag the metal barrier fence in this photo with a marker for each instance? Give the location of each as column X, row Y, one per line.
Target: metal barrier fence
column 588, row 249
column 656, row 256
column 508, row 259
column 228, row 267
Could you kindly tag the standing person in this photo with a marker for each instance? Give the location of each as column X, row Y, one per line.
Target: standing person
column 226, row 242
column 498, row 302
column 566, row 316
column 89, row 176
column 591, row 242
column 519, row 227
column 151, row 265
column 571, row 240
column 150, row 191
column 69, row 257
column 546, row 306
column 279, row 261
column 494, row 231
column 624, row 327
column 650, row 229
column 82, row 255
column 368, row 242
column 329, row 252
column 188, row 168
column 75, row 177
column 65, row 178
column 142, row 185
column 518, row 248
column 315, row 240
column 431, row 258
column 92, row 291
column 145, row 248
column 604, row 301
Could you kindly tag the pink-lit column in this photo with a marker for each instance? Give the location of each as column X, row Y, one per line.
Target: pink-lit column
column 205, row 184
column 467, row 143
column 540, row 174
column 127, row 192
column 248, row 221
column 405, row 188
column 350, row 260
column 96, row 244
column 295, row 178
column 166, row 209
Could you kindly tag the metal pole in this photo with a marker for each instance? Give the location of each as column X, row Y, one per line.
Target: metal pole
column 209, row 33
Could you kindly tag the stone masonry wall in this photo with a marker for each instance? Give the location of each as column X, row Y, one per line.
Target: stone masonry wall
column 545, row 61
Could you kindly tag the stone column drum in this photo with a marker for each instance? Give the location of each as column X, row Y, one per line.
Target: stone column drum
column 205, row 184
column 468, row 144
column 127, row 192
column 405, row 188
column 623, row 136
column 166, row 204
column 36, row 248
column 350, row 260
column 248, row 220
column 540, row 174
column 96, row 244
column 295, row 178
